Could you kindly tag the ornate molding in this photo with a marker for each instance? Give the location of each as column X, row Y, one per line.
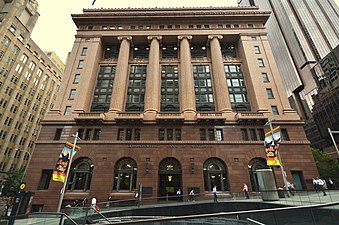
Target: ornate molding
column 188, row 37
column 219, row 36
column 128, row 38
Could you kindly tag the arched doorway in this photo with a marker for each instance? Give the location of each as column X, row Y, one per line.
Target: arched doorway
column 215, row 174
column 125, row 175
column 254, row 165
column 80, row 175
column 170, row 176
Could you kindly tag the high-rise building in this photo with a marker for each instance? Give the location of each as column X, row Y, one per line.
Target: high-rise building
column 301, row 33
column 168, row 98
column 29, row 81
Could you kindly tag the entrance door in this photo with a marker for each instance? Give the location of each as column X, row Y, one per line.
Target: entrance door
column 169, row 178
column 297, row 177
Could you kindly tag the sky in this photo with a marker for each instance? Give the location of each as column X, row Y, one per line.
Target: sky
column 55, row 30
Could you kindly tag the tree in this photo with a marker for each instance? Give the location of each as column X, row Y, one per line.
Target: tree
column 327, row 167
column 12, row 181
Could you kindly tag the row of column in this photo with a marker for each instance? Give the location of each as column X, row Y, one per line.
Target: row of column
column 153, row 79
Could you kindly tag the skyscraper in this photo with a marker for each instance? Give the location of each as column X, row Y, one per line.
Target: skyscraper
column 29, row 81
column 301, row 33
column 168, row 98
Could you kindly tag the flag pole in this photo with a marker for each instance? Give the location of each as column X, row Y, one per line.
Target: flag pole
column 269, row 122
column 62, row 192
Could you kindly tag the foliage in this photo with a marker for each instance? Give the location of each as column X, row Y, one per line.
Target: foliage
column 327, row 166
column 13, row 180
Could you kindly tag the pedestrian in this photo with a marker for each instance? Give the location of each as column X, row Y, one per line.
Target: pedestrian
column 191, row 196
column 84, row 202
column 94, row 202
column 215, row 194
column 315, row 186
column 320, row 185
column 76, row 203
column 331, row 183
column 290, row 188
column 108, row 204
column 245, row 190
column 179, row 195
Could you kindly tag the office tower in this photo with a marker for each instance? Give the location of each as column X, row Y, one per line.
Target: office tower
column 301, row 33
column 167, row 98
column 29, row 81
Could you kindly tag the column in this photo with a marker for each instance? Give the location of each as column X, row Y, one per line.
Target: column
column 121, row 75
column 153, row 80
column 221, row 94
column 187, row 94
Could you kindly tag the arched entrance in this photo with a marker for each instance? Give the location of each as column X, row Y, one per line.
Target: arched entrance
column 215, row 174
column 254, row 165
column 169, row 177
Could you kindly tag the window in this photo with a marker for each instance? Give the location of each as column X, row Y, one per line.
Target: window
column 211, row 134
column 265, row 77
column 88, row 134
column 204, row 98
column 250, row 25
column 96, row 135
column 57, row 134
column 111, row 51
column 169, row 134
column 84, row 51
column 244, row 134
column 253, row 135
column 215, row 174
column 45, row 179
column 103, row 90
column 128, row 134
column 269, row 93
column 67, row 110
column 136, row 89
column 169, row 89
column 256, row 49
column 261, row 63
column 275, row 110
column 72, row 94
column 198, row 51
column 76, row 78
column 81, row 174
column 12, row 29
column 81, row 64
column 284, row 134
column 261, row 134
column 125, row 175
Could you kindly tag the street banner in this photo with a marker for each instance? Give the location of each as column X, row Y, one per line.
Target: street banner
column 60, row 171
column 272, row 144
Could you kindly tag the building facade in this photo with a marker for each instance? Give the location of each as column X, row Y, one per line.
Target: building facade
column 167, row 98
column 301, row 33
column 29, row 81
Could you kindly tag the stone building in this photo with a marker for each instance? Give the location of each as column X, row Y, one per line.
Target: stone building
column 168, row 98
column 29, row 81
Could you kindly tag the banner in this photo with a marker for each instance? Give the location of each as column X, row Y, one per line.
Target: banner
column 60, row 171
column 272, row 144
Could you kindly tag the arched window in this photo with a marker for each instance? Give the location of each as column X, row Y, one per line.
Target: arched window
column 215, row 175
column 254, row 165
column 81, row 174
column 125, row 175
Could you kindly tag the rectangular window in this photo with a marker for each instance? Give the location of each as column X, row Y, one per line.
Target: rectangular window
column 244, row 134
column 253, row 135
column 121, row 134
column 169, row 134
column 204, row 98
column 261, row 134
column 211, row 136
column 202, row 134
column 96, row 135
column 178, row 134
column 219, row 134
column 67, row 110
column 72, row 94
column 84, row 51
column 275, row 110
column 269, row 93
column 256, row 49
column 76, row 78
column 161, row 135
column 88, row 134
column 136, row 134
column 261, row 63
column 128, row 134
column 136, row 88
column 81, row 64
column 45, row 179
column 284, row 135
column 57, row 134
column 81, row 133
column 265, row 77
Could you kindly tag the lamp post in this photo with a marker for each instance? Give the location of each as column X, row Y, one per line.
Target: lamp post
column 29, row 159
column 62, row 192
column 331, row 134
column 269, row 122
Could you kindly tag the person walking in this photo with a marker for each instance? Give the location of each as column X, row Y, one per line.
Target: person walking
column 179, row 195
column 215, row 199
column 320, row 185
column 191, row 196
column 245, row 190
column 290, row 187
column 331, row 184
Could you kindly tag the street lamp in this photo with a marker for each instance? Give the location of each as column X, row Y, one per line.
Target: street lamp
column 28, row 161
column 269, row 122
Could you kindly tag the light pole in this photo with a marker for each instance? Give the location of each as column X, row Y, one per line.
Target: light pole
column 29, row 159
column 269, row 122
column 331, row 134
column 62, row 192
